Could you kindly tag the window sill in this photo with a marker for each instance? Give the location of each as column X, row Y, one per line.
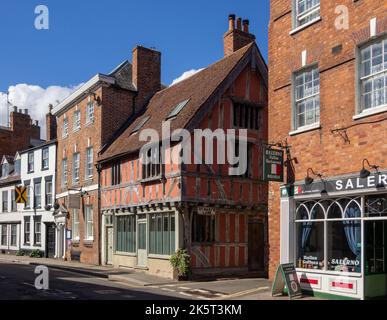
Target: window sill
column 125, row 254
column 76, row 130
column 304, row 129
column 89, row 124
column 159, row 257
column 371, row 112
column 45, row 169
column 304, row 26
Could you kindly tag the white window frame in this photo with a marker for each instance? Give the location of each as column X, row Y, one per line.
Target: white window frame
column 77, row 120
column 4, row 235
column 13, row 243
column 362, row 78
column 89, row 163
column 76, row 167
column 64, row 172
column 90, row 113
column 38, row 196
column 296, row 101
column 27, row 239
column 5, row 202
column 37, row 222
column 89, row 223
column 298, row 17
column 30, row 162
column 48, row 195
column 65, row 131
column 45, row 158
column 76, row 230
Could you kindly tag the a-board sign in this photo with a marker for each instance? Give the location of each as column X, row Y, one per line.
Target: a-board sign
column 286, row 276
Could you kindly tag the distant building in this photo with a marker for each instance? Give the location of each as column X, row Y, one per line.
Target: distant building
column 22, row 133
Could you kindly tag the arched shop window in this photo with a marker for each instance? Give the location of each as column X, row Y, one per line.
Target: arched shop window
column 339, row 221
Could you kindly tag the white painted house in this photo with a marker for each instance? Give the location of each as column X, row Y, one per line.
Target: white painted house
column 38, row 229
column 10, row 217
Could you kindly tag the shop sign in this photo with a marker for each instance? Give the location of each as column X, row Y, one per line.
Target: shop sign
column 273, row 164
column 75, row 201
column 286, row 277
column 206, row 211
column 376, row 181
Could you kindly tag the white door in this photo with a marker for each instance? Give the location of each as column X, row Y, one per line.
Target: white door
column 142, row 252
column 109, row 246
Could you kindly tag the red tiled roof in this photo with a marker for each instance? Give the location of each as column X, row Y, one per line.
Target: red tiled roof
column 198, row 88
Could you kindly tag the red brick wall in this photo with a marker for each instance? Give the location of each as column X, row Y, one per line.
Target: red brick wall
column 320, row 149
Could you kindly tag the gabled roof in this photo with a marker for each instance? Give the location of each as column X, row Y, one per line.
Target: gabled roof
column 8, row 159
column 201, row 89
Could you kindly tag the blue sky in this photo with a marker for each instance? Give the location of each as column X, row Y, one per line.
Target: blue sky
column 86, row 37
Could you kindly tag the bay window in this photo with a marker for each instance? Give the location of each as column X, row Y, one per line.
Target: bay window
column 329, row 235
column 373, row 75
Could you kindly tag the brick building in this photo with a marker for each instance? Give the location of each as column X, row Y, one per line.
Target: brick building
column 327, row 104
column 86, row 121
column 151, row 210
column 21, row 134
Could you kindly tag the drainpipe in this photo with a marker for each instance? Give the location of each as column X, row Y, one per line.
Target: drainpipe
column 99, row 169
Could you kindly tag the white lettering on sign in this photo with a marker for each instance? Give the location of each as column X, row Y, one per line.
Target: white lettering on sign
column 371, row 181
column 339, row 185
column 349, row 184
column 345, row 262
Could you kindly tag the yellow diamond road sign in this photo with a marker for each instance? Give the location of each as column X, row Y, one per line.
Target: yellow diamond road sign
column 21, row 195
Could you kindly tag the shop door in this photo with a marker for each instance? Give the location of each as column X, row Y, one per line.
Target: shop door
column 256, row 246
column 50, row 240
column 375, row 267
column 109, row 246
column 142, row 252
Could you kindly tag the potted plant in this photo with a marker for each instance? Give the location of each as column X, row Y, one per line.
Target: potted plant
column 181, row 262
column 36, row 254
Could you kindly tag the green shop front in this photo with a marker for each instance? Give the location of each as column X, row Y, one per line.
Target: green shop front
column 335, row 232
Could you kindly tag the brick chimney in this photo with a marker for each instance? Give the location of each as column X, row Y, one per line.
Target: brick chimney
column 237, row 36
column 146, row 74
column 50, row 125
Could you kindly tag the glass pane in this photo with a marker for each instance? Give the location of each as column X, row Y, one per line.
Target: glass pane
column 310, row 245
column 335, row 211
column 142, row 236
column 344, row 246
column 376, row 206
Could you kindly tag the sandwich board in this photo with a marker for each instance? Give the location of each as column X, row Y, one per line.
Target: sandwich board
column 286, row 277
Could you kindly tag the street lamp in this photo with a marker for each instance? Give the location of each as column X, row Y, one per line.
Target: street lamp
column 308, row 179
column 364, row 173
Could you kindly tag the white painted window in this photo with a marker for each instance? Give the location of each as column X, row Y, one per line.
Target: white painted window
column 77, row 120
column 65, row 130
column 37, row 230
column 45, row 159
column 5, row 201
column 28, row 203
column 4, row 234
column 373, row 75
column 90, row 113
column 38, row 195
column 89, row 163
column 306, row 11
column 48, row 193
column 76, row 235
column 307, row 98
column 5, row 170
column 13, row 235
column 89, row 223
column 64, row 172
column 27, row 230
column 31, row 162
column 76, row 163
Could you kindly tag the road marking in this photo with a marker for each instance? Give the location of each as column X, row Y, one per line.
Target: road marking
column 185, row 294
column 184, row 288
column 244, row 293
column 201, row 291
column 168, row 290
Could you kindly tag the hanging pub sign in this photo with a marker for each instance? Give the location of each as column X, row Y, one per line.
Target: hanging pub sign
column 75, row 201
column 286, row 277
column 273, row 164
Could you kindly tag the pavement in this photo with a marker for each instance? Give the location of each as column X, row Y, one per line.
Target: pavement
column 143, row 283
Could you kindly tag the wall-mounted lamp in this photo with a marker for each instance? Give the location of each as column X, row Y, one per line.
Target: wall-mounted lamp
column 364, row 173
column 309, row 180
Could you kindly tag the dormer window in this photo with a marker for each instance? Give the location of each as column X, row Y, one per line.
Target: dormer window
column 5, row 170
column 17, row 167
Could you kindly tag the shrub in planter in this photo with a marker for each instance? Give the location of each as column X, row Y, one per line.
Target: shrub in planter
column 181, row 262
column 36, row 254
column 20, row 253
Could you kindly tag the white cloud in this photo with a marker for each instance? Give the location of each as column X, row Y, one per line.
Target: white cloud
column 186, row 75
column 34, row 98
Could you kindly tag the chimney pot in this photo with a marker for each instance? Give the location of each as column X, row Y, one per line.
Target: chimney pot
column 239, row 23
column 25, row 111
column 15, row 109
column 20, row 111
column 231, row 20
column 246, row 24
column 50, row 107
column 36, row 122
